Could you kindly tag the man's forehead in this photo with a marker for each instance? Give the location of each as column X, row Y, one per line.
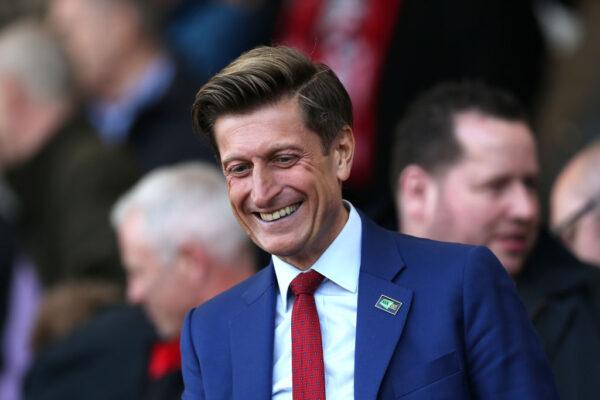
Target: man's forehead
column 476, row 132
column 281, row 120
column 474, row 120
column 492, row 148
column 568, row 194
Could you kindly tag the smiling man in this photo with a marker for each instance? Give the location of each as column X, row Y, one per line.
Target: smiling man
column 345, row 309
column 465, row 168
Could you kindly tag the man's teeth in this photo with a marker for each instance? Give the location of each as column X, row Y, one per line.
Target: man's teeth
column 279, row 213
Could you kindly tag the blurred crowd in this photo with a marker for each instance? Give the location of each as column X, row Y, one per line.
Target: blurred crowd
column 114, row 218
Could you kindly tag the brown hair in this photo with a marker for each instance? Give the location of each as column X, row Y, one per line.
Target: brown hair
column 265, row 75
column 426, row 137
column 68, row 306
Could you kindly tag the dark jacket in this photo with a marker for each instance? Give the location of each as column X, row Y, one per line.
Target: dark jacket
column 65, row 194
column 105, row 359
column 168, row 387
column 162, row 132
column 561, row 296
column 7, row 250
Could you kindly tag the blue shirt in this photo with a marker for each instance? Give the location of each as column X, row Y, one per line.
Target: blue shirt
column 113, row 120
column 336, row 300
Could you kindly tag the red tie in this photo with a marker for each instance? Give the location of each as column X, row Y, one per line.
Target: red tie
column 308, row 376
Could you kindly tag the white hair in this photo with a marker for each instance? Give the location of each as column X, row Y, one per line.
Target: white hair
column 183, row 203
column 29, row 52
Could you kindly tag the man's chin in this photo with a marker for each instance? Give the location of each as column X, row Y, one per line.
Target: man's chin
column 277, row 245
column 512, row 263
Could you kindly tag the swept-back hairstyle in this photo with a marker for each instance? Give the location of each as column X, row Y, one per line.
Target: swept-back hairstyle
column 265, row 75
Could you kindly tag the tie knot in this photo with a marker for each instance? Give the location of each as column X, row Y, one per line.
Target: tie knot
column 306, row 283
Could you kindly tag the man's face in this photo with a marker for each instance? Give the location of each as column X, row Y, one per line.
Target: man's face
column 284, row 190
column 582, row 236
column 489, row 197
column 18, row 110
column 91, row 32
column 160, row 289
column 583, row 239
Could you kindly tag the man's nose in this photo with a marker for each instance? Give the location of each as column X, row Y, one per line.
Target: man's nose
column 264, row 186
column 524, row 204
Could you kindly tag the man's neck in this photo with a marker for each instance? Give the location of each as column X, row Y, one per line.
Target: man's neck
column 305, row 262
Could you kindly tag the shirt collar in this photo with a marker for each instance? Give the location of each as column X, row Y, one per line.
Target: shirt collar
column 113, row 119
column 340, row 263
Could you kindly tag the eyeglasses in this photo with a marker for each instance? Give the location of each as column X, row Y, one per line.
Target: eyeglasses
column 566, row 229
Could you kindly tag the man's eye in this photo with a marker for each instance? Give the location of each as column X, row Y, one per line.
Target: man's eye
column 496, row 185
column 285, row 160
column 238, row 169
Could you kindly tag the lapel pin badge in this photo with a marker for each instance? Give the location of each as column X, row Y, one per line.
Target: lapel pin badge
column 388, row 304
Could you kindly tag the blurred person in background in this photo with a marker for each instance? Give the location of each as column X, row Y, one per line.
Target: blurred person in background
column 465, row 170
column 137, row 94
column 62, row 178
column 88, row 344
column 575, row 204
column 181, row 246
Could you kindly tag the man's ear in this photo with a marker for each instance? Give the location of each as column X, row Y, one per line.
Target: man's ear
column 16, row 98
column 413, row 196
column 192, row 262
column 343, row 148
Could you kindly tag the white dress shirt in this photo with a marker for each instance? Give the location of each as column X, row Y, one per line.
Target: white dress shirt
column 336, row 300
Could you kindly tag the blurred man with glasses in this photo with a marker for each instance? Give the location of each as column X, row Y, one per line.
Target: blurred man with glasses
column 575, row 204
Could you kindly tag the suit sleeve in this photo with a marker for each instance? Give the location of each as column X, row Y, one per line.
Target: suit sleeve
column 190, row 365
column 504, row 357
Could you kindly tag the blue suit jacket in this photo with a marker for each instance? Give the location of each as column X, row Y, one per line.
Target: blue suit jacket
column 460, row 333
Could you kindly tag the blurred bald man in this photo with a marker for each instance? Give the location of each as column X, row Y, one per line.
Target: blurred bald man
column 575, row 204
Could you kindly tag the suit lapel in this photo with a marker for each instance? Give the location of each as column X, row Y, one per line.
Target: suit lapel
column 377, row 331
column 251, row 334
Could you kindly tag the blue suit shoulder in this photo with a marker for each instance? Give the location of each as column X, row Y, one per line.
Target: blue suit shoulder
column 463, row 295
column 429, row 259
column 225, row 305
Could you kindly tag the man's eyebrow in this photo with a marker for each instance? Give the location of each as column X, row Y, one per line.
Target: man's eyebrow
column 273, row 150
column 229, row 159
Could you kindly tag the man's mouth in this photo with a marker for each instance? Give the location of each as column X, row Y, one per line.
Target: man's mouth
column 278, row 214
column 514, row 243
